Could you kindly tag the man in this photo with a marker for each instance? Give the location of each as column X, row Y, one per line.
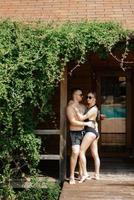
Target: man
column 76, row 129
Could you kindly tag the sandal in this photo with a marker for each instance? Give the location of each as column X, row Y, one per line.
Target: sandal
column 71, row 181
column 96, row 177
column 84, row 178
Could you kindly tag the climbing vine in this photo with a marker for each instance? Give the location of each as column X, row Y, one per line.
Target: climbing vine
column 32, row 61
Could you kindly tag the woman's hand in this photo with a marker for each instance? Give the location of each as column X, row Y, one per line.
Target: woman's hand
column 79, row 115
column 76, row 109
column 102, row 117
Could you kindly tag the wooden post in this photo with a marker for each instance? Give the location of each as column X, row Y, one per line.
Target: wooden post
column 63, row 103
column 129, row 111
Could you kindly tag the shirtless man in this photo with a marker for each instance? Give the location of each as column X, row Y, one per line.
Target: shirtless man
column 76, row 129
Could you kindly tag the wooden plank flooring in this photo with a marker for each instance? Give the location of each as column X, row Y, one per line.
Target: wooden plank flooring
column 116, row 183
column 109, row 187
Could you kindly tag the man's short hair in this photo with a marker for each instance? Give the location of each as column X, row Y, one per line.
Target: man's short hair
column 75, row 90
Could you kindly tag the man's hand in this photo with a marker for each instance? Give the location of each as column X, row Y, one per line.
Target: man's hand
column 89, row 124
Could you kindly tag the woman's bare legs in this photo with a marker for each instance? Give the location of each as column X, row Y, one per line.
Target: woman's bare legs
column 80, row 169
column 95, row 155
column 86, row 142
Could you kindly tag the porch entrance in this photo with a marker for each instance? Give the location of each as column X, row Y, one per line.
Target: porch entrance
column 114, row 100
column 113, row 90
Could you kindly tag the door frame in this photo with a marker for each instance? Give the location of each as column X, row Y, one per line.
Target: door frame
column 99, row 74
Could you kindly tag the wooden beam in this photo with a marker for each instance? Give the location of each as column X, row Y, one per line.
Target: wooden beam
column 49, row 157
column 48, row 132
column 129, row 111
column 63, row 103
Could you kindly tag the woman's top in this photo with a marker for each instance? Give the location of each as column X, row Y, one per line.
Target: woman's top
column 94, row 124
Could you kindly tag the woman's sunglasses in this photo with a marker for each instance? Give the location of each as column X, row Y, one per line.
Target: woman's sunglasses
column 89, row 97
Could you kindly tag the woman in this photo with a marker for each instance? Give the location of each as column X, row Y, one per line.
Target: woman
column 91, row 137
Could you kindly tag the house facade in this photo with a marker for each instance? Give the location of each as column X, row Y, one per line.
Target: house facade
column 74, row 10
column 114, row 87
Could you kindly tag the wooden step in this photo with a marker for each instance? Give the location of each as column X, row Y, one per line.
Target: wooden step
column 50, row 157
column 48, row 132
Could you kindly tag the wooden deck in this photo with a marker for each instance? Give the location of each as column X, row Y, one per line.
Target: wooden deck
column 116, row 183
column 110, row 187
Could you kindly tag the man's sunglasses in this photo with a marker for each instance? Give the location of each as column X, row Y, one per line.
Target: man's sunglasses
column 89, row 97
column 81, row 95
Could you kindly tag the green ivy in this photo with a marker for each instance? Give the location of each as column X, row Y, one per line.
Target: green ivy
column 32, row 61
column 45, row 190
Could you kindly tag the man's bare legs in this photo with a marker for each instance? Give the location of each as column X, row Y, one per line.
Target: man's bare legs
column 73, row 162
column 86, row 142
column 95, row 155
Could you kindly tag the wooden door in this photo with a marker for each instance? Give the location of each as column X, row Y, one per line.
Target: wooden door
column 114, row 97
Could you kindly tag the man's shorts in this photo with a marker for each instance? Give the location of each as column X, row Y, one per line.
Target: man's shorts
column 76, row 137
